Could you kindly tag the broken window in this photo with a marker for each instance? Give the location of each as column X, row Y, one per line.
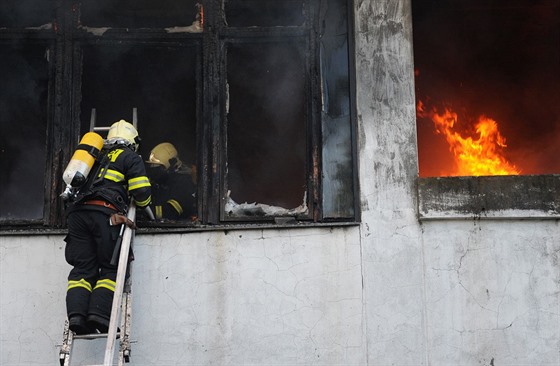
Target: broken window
column 264, row 13
column 487, row 77
column 139, row 13
column 266, row 129
column 23, row 130
column 159, row 81
column 282, row 124
column 26, row 13
column 255, row 95
column 488, row 117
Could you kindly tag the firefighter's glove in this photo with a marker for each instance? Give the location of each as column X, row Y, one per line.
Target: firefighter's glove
column 119, row 219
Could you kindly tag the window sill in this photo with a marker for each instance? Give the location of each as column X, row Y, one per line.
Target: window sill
column 189, row 229
column 489, row 197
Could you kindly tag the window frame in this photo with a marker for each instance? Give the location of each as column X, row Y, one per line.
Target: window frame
column 67, row 39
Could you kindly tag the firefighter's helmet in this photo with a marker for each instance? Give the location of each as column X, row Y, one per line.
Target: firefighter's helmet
column 165, row 154
column 123, row 132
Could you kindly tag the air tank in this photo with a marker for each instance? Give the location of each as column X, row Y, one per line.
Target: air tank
column 78, row 168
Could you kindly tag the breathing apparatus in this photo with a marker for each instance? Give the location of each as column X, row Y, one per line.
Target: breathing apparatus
column 77, row 171
column 88, row 151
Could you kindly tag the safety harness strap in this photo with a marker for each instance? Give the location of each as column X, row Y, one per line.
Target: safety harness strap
column 92, row 150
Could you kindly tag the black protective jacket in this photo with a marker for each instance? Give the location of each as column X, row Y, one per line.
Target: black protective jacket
column 174, row 196
column 119, row 174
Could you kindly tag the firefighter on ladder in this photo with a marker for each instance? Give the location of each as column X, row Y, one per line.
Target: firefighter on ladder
column 94, row 219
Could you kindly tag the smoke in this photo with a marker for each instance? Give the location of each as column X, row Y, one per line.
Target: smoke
column 138, row 13
column 264, row 13
column 159, row 81
column 266, row 120
column 26, row 13
column 499, row 59
column 23, row 99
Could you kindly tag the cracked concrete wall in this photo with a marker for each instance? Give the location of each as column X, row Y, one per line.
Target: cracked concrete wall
column 492, row 292
column 391, row 291
column 246, row 297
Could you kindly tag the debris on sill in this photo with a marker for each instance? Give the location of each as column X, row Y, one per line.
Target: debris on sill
column 234, row 209
column 42, row 27
column 95, row 31
column 195, row 27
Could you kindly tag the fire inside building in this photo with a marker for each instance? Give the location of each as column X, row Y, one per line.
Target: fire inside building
column 487, row 87
column 375, row 182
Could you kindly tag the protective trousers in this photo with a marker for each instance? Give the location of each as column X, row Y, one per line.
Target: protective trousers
column 89, row 247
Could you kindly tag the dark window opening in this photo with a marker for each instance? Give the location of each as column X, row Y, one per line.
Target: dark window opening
column 264, row 13
column 160, row 82
column 23, row 127
column 26, row 13
column 139, row 13
column 266, row 126
column 478, row 62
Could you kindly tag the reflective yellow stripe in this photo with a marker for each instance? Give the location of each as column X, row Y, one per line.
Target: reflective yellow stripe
column 106, row 283
column 138, row 182
column 144, row 203
column 81, row 283
column 176, row 206
column 114, row 175
column 113, row 155
column 159, row 213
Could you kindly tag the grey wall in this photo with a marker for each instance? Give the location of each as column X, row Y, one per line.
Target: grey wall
column 391, row 291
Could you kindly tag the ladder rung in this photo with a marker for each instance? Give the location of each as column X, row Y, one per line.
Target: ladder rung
column 94, row 336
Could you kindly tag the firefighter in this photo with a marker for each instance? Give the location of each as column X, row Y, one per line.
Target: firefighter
column 117, row 177
column 173, row 184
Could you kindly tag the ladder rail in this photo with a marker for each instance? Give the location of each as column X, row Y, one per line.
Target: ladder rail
column 117, row 297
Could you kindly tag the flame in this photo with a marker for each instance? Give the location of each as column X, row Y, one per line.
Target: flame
column 200, row 15
column 474, row 156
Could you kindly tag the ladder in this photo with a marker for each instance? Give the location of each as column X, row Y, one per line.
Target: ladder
column 121, row 310
column 122, row 300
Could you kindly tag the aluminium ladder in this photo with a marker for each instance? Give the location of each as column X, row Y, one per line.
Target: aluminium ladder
column 122, row 300
column 122, row 305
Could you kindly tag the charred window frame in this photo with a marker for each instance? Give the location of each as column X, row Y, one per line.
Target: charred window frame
column 314, row 139
column 319, row 33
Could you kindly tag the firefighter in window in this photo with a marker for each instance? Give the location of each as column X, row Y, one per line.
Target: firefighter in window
column 173, row 184
column 94, row 212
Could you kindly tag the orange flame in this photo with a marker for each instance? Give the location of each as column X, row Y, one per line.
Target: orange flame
column 200, row 15
column 473, row 156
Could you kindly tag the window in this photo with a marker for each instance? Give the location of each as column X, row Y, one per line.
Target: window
column 487, row 76
column 255, row 95
column 23, row 132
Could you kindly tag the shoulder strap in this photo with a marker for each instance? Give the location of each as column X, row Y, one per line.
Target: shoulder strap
column 101, row 164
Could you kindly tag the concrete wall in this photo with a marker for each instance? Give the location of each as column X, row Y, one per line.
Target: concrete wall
column 391, row 291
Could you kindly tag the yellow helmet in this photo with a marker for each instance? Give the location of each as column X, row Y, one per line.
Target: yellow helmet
column 165, row 154
column 123, row 131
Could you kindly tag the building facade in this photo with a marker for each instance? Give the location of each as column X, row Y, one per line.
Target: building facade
column 424, row 275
